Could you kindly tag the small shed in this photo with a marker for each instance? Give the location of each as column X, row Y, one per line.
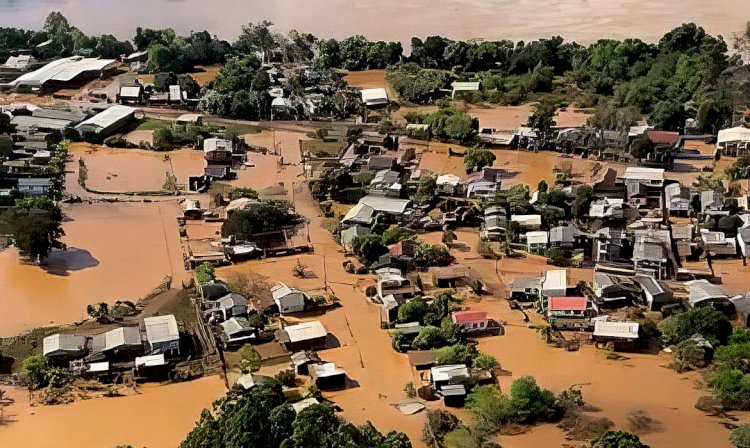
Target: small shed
column 238, row 332
column 327, row 376
column 162, row 334
column 422, row 359
column 305, row 336
column 288, row 298
column 304, row 404
column 375, row 97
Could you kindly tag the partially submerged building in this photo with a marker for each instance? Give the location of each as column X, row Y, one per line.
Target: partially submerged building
column 108, row 121
column 162, row 335
column 305, row 336
column 288, row 298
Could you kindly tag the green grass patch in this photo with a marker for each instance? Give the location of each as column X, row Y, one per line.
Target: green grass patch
column 152, row 124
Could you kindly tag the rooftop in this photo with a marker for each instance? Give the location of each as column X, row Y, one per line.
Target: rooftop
column 305, row 331
column 624, row 330
column 568, row 303
column 161, row 328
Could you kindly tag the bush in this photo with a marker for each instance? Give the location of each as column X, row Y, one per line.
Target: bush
column 205, row 273
column 740, row 437
column 733, row 357
column 479, row 158
column 732, row 389
column 287, row 377
column 428, row 255
column 527, row 404
column 241, row 192
column 618, row 439
column 250, row 359
column 707, row 322
column 486, row 362
column 413, row 311
column 456, row 354
column 38, row 373
column 437, row 424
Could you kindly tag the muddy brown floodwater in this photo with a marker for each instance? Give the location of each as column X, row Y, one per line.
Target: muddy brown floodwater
column 116, row 251
column 159, row 417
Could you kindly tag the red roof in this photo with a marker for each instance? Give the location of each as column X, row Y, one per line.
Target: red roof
column 464, row 317
column 663, row 137
column 568, row 303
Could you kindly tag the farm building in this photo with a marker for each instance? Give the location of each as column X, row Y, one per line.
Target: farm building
column 107, row 122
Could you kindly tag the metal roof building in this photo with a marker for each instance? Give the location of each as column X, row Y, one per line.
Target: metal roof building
column 64, row 345
column 115, row 339
column 374, row 97
column 107, row 121
column 162, row 333
column 61, row 70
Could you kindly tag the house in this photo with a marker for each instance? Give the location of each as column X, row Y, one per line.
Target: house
column 554, row 283
column 35, row 187
column 682, row 235
column 448, row 184
column 151, row 366
column 123, row 341
column 677, row 199
column 703, row 293
column 608, row 244
column 484, row 183
column 561, row 236
column 441, row 376
column 464, row 87
column 733, row 142
column 130, row 94
column 359, row 214
column 608, row 208
column 305, row 336
column 302, row 361
column 525, row 289
column 494, row 227
column 622, row 335
column 64, row 347
column 107, row 122
column 386, row 183
column 349, row 234
column 327, row 376
column 389, row 310
column 526, row 223
column 613, row 290
column 742, row 310
column 374, row 98
column 237, row 332
column 454, row 395
column 568, row 312
column 231, row 305
column 716, row 243
column 652, row 253
column 391, row 282
column 162, row 334
column 536, row 242
column 743, row 241
column 654, row 292
column 213, row 290
column 288, row 298
column 711, row 200
column 475, row 321
column 644, row 186
column 422, row 359
column 386, row 206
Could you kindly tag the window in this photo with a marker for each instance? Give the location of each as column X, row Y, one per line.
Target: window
column 481, row 324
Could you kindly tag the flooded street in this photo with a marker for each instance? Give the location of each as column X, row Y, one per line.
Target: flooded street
column 160, row 417
column 116, row 251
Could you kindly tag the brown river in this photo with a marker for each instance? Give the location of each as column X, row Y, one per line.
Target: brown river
column 581, row 20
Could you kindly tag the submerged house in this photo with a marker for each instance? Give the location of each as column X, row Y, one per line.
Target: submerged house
column 288, row 298
column 237, row 331
column 327, row 376
column 64, row 347
column 305, row 336
column 568, row 312
column 655, row 293
column 162, row 335
column 622, row 335
column 123, row 341
column 555, row 283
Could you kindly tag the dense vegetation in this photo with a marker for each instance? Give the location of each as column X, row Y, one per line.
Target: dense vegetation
column 262, row 217
column 35, row 225
column 262, row 417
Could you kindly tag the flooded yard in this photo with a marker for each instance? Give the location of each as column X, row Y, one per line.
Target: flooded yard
column 157, row 417
column 117, row 251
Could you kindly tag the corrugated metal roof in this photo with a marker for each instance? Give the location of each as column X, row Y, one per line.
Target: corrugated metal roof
column 387, row 205
column 305, row 331
column 63, row 342
column 624, row 330
column 108, row 117
column 161, row 329
column 62, row 70
column 283, row 290
column 374, row 95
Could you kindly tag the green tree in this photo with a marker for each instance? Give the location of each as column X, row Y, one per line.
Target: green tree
column 485, row 361
column 394, row 235
column 705, row 321
column 35, row 225
column 413, row 311
column 456, row 354
column 263, row 217
column 427, row 255
column 250, row 359
column 618, row 439
column 478, row 158
column 543, row 119
column 369, row 248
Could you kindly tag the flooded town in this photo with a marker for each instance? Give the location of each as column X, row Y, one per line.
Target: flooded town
column 268, row 234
